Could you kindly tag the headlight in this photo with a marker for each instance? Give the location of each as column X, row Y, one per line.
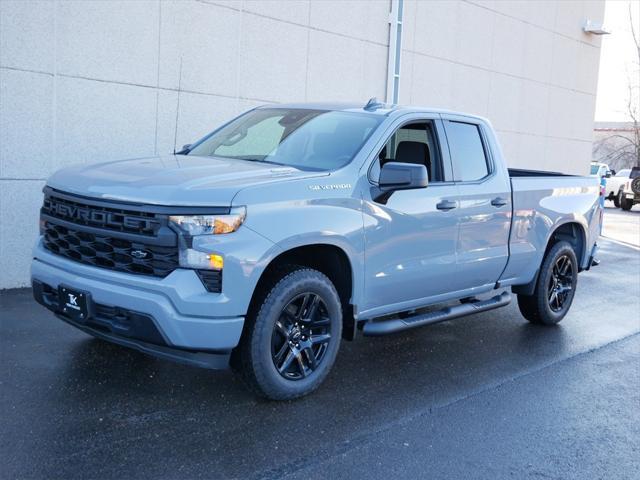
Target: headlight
column 210, row 224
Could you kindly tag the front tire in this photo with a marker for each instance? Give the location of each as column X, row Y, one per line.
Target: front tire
column 555, row 287
column 292, row 340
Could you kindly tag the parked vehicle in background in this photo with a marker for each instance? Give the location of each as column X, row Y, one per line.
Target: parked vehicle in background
column 294, row 226
column 600, row 170
column 614, row 184
column 630, row 193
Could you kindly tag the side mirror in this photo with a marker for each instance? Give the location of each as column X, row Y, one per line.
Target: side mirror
column 402, row 176
column 607, row 175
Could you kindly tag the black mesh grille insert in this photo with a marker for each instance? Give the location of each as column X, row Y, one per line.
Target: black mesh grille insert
column 110, row 252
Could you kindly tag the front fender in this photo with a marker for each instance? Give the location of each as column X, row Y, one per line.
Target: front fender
column 336, row 222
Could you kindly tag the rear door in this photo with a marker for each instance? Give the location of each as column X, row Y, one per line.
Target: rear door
column 484, row 204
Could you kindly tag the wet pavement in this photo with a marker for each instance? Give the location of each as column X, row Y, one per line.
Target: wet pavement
column 486, row 396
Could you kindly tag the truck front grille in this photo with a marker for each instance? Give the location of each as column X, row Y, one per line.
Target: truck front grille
column 110, row 252
column 112, row 235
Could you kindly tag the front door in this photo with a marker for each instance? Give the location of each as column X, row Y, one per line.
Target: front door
column 410, row 238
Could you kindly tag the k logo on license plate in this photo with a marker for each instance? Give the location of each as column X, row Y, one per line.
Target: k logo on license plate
column 74, row 304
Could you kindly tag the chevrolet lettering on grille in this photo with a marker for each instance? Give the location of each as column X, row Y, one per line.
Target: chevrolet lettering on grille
column 105, row 218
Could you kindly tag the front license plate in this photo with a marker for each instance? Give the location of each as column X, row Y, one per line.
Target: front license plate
column 73, row 303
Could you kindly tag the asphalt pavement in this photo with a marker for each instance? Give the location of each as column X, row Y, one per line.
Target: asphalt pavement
column 487, row 396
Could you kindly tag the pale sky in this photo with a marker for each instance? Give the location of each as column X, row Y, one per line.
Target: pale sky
column 618, row 61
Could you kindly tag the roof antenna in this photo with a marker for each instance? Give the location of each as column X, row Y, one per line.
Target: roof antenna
column 373, row 104
column 175, row 133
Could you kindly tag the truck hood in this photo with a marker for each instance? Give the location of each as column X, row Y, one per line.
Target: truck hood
column 178, row 180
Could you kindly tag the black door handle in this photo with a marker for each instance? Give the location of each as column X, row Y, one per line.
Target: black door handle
column 446, row 205
column 498, row 202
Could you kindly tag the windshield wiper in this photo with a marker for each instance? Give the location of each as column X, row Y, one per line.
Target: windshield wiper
column 256, row 158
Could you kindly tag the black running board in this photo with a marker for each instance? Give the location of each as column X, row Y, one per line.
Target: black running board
column 385, row 327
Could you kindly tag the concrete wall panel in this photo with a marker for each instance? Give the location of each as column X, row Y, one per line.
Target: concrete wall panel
column 265, row 46
column 26, row 124
column 111, row 40
column 99, row 121
column 210, row 58
column 26, row 32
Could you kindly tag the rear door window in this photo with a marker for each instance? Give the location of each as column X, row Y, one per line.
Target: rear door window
column 468, row 154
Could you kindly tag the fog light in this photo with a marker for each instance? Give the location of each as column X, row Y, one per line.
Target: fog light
column 190, row 258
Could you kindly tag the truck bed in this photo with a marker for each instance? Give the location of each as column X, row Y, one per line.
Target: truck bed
column 541, row 202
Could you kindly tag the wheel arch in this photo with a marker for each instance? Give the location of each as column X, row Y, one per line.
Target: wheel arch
column 571, row 231
column 328, row 258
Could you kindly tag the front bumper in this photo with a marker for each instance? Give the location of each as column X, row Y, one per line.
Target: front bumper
column 130, row 329
column 185, row 315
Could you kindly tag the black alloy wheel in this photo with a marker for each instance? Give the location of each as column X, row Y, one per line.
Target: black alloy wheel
column 301, row 336
column 560, row 283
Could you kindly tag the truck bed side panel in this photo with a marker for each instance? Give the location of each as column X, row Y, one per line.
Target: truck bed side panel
column 540, row 205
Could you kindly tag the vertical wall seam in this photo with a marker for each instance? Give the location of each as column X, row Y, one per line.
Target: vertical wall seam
column 54, row 100
column 306, row 66
column 240, row 61
column 394, row 56
column 155, row 142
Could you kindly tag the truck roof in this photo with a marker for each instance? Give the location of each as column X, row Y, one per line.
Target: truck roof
column 383, row 109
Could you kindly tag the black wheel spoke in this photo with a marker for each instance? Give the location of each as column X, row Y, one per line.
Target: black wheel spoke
column 301, row 366
column 312, row 309
column 279, row 357
column 565, row 267
column 320, row 339
column 307, row 301
column 280, row 328
column 311, row 357
column 287, row 361
column 320, row 322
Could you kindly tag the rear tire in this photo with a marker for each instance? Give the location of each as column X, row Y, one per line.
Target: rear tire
column 626, row 204
column 616, row 199
column 292, row 339
column 555, row 287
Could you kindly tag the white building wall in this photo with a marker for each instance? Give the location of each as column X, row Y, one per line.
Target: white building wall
column 88, row 81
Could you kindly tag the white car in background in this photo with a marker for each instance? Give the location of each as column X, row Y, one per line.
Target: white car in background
column 614, row 184
column 629, row 194
column 599, row 170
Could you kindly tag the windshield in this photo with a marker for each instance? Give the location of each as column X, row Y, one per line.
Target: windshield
column 623, row 173
column 302, row 138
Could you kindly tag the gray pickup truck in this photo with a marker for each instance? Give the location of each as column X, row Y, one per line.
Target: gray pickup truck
column 292, row 227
